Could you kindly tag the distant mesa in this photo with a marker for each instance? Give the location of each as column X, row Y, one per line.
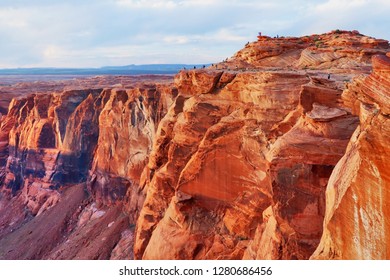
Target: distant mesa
column 106, row 70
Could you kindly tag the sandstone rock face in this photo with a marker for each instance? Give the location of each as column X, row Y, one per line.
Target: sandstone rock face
column 301, row 162
column 211, row 182
column 347, row 50
column 127, row 126
column 39, row 161
column 356, row 221
column 236, row 163
column 45, row 230
column 247, row 178
column 52, row 141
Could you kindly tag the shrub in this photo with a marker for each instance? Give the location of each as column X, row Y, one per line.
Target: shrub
column 318, row 44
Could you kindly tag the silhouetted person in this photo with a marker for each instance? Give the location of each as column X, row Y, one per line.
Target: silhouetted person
column 194, row 67
column 328, row 76
column 204, row 66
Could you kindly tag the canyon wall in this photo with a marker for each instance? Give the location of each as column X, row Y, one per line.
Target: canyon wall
column 356, row 222
column 248, row 179
column 94, row 141
column 278, row 152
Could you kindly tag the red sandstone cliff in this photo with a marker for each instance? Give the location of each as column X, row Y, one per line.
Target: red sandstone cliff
column 69, row 153
column 262, row 156
column 356, row 223
column 247, row 179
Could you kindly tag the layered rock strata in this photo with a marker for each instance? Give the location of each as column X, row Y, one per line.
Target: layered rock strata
column 53, row 141
column 356, row 223
column 248, row 179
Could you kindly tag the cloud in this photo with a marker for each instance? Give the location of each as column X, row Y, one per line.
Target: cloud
column 369, row 17
column 339, row 5
column 172, row 39
column 11, row 19
column 145, row 4
column 226, row 35
column 86, row 33
column 166, row 4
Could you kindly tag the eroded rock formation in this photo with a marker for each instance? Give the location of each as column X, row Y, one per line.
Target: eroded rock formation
column 248, row 180
column 50, row 142
column 356, row 223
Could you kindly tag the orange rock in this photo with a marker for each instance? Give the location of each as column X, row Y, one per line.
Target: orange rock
column 48, row 142
column 127, row 125
column 200, row 168
column 356, row 223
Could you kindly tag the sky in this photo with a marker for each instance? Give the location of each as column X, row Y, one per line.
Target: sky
column 95, row 33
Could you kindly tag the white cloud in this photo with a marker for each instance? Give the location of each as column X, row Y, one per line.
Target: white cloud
column 53, row 52
column 170, row 4
column 118, row 32
column 12, row 18
column 221, row 35
column 339, row 6
column 369, row 17
column 154, row 4
column 193, row 3
column 226, row 35
column 174, row 39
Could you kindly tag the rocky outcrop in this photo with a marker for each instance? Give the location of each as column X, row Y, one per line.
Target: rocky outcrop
column 347, row 50
column 53, row 141
column 41, row 158
column 356, row 220
column 210, row 182
column 45, row 230
column 127, row 126
column 251, row 173
column 301, row 162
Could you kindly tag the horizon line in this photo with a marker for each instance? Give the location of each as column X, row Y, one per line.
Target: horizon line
column 104, row 66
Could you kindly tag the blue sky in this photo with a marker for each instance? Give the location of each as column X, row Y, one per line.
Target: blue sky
column 94, row 33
